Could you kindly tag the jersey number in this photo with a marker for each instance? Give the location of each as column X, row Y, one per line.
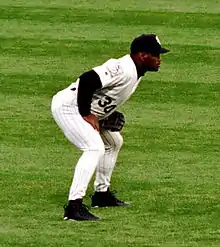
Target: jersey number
column 106, row 104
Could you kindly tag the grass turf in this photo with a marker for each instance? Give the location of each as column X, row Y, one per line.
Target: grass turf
column 169, row 164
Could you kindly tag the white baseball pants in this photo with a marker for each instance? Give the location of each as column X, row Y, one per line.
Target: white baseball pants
column 100, row 149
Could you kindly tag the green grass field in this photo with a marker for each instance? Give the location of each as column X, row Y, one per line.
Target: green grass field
column 169, row 164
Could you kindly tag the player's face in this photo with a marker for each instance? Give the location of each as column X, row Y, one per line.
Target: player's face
column 151, row 62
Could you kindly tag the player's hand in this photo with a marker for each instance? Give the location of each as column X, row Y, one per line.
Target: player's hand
column 93, row 120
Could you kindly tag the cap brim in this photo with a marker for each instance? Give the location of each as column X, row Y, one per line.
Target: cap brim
column 163, row 50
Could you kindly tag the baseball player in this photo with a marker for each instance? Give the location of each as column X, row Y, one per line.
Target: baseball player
column 86, row 113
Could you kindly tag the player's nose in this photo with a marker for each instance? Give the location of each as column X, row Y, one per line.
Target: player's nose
column 159, row 60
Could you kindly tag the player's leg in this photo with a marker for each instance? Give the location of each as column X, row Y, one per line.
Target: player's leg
column 113, row 142
column 103, row 197
column 82, row 135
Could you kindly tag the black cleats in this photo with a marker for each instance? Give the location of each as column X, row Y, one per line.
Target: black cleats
column 106, row 199
column 76, row 210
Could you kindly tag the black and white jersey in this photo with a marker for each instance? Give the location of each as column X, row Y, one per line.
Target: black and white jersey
column 119, row 81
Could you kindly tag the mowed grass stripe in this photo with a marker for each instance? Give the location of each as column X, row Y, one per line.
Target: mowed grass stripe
column 78, row 31
column 33, row 84
column 196, row 73
column 140, row 5
column 50, row 49
column 61, row 48
column 116, row 17
column 184, row 92
column 181, row 53
column 177, row 138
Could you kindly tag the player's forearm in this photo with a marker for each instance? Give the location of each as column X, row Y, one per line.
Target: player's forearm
column 89, row 82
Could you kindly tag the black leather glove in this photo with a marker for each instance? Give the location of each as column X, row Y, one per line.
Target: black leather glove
column 113, row 122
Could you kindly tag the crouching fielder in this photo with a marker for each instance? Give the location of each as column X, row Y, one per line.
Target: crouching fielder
column 86, row 113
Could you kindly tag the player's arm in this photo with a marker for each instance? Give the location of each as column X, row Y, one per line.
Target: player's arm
column 89, row 82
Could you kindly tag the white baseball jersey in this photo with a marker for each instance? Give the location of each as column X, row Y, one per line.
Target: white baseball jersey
column 119, row 81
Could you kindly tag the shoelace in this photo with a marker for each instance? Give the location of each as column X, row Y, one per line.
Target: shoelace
column 84, row 210
column 113, row 195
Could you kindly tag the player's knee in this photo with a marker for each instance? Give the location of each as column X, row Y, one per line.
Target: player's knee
column 115, row 141
column 99, row 149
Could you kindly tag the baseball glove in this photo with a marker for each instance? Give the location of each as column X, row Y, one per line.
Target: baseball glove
column 113, row 122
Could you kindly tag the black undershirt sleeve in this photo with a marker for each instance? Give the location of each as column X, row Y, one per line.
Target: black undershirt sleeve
column 89, row 82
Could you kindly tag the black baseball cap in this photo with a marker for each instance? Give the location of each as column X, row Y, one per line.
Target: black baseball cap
column 148, row 43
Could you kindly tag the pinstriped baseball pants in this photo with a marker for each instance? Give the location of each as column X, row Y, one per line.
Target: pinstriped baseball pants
column 100, row 149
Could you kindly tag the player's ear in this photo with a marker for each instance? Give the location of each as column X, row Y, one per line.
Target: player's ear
column 143, row 55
